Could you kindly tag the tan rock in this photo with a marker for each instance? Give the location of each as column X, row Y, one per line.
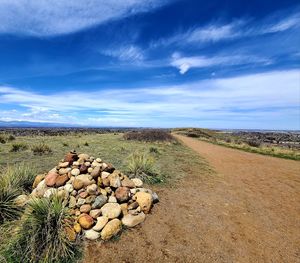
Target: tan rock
column 70, row 233
column 86, row 208
column 114, row 180
column 112, row 228
column 77, row 184
column 37, row 180
column 83, row 156
column 85, row 221
column 86, row 179
column 124, row 208
column 95, row 213
column 111, row 210
column 96, row 171
column 133, row 220
column 50, row 178
column 63, row 165
column 101, row 222
column 77, row 228
column 138, row 182
column 127, row 183
column 104, row 175
column 61, row 180
column 75, row 171
column 144, row 200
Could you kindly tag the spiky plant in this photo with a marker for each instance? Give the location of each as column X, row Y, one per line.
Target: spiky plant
column 41, row 234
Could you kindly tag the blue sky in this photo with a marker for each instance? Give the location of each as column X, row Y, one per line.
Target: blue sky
column 151, row 63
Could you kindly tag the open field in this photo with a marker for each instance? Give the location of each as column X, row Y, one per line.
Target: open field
column 278, row 144
column 216, row 204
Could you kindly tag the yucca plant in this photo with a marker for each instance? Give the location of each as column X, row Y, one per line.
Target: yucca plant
column 142, row 165
column 40, row 236
column 14, row 181
column 41, row 148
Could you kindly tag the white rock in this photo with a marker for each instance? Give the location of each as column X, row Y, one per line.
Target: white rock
column 98, row 160
column 69, row 188
column 91, row 234
column 101, row 222
column 75, row 172
column 104, row 175
column 133, row 220
column 111, row 210
column 138, row 182
column 112, row 199
column 50, row 192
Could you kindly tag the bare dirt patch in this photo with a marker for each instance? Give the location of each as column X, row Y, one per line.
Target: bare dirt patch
column 249, row 211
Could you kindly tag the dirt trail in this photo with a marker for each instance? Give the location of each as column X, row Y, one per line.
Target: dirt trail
column 249, row 211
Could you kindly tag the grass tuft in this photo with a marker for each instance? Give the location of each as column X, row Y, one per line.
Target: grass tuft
column 41, row 148
column 19, row 146
column 40, row 234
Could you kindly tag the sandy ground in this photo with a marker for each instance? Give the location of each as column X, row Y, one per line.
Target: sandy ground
column 249, row 211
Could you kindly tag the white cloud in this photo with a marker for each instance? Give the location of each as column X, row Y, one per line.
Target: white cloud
column 127, row 53
column 266, row 100
column 216, row 31
column 185, row 63
column 48, row 18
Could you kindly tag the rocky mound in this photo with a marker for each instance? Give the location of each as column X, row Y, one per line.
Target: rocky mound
column 101, row 198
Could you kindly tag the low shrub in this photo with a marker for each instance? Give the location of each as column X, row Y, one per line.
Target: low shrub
column 2, row 139
column 11, row 138
column 41, row 148
column 143, row 166
column 65, row 144
column 193, row 135
column 86, row 144
column 153, row 150
column 150, row 135
column 17, row 147
column 40, row 235
column 254, row 143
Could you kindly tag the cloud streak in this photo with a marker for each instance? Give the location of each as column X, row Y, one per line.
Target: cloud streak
column 266, row 100
column 241, row 28
column 51, row 18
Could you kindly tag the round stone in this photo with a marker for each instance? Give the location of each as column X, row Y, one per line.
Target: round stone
column 86, row 208
column 95, row 213
column 138, row 182
column 99, row 201
column 75, row 172
column 122, row 194
column 133, row 220
column 91, row 234
column 85, row 221
column 50, row 178
column 111, row 210
column 144, row 200
column 77, row 184
column 61, row 180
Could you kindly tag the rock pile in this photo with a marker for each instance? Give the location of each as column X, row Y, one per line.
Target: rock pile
column 101, row 198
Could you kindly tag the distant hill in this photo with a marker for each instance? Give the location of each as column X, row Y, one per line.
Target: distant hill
column 28, row 124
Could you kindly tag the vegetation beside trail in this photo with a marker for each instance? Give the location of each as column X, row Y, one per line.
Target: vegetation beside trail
column 231, row 140
column 34, row 234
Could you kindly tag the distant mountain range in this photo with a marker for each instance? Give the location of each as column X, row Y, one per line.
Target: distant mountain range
column 28, row 124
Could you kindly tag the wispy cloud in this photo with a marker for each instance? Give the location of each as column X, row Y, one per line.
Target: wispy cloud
column 266, row 100
column 48, row 18
column 243, row 27
column 186, row 63
column 126, row 53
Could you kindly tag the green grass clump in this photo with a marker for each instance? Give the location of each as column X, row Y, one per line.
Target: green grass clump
column 41, row 148
column 143, row 166
column 40, row 235
column 14, row 181
column 19, row 146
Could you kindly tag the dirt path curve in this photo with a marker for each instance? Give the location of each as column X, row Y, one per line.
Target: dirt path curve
column 249, row 211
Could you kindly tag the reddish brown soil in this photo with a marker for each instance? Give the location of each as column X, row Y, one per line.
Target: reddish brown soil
column 249, row 211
